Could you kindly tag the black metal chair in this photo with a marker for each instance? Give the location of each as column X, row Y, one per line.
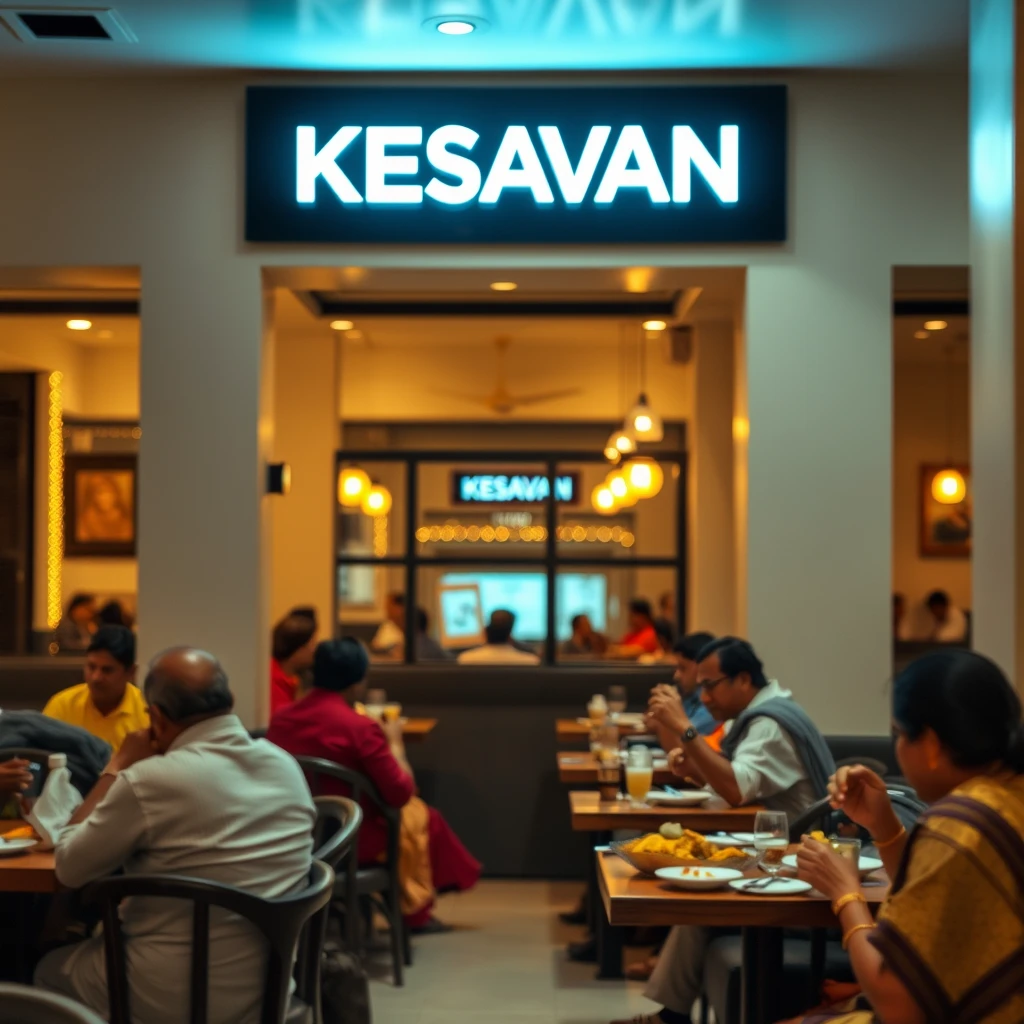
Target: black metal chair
column 24, row 1005
column 878, row 767
column 818, row 815
column 336, row 828
column 380, row 882
column 282, row 921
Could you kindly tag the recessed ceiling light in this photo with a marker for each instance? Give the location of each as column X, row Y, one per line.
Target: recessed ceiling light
column 503, row 286
column 935, row 325
column 79, row 325
column 455, row 28
column 920, row 335
column 342, row 325
column 655, row 325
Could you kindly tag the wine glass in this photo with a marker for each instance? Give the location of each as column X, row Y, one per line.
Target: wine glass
column 771, row 840
column 617, row 699
column 639, row 774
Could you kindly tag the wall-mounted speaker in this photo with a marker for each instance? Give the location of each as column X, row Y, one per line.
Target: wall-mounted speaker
column 679, row 344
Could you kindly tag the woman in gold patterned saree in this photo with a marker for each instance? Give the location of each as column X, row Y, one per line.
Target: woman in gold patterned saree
column 948, row 946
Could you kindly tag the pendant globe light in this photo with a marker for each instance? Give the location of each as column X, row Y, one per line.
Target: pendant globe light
column 622, row 442
column 644, row 423
column 603, row 501
column 948, row 485
column 377, row 501
column 644, row 476
column 619, row 486
column 353, row 486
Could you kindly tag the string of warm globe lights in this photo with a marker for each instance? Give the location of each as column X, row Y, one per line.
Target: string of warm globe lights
column 640, row 477
column 356, row 490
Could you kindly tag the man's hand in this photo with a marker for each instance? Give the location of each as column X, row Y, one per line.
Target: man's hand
column 677, row 762
column 137, row 746
column 392, row 731
column 14, row 776
column 666, row 708
column 833, row 876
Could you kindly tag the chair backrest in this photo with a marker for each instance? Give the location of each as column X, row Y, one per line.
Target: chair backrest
column 24, row 1005
column 361, row 789
column 878, row 767
column 817, row 815
column 337, row 824
column 281, row 921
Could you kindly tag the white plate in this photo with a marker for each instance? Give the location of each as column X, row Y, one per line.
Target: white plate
column 731, row 839
column 685, row 798
column 776, row 887
column 698, row 878
column 868, row 865
column 11, row 847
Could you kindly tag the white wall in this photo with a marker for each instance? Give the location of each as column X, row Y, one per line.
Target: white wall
column 158, row 184
column 919, row 438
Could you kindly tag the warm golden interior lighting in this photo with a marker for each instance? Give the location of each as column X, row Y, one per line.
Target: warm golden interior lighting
column 644, row 477
column 503, row 286
column 55, row 500
column 377, row 501
column 380, row 536
column 353, row 486
column 654, row 325
column 949, row 487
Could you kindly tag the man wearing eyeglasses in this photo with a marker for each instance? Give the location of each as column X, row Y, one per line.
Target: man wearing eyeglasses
column 773, row 755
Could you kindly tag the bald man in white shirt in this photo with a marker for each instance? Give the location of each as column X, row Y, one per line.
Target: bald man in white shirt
column 196, row 796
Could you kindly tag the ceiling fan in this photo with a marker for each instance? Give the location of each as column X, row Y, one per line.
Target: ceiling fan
column 501, row 401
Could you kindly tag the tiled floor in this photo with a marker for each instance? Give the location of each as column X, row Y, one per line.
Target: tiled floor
column 505, row 964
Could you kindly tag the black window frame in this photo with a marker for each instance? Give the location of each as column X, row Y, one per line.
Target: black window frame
column 551, row 562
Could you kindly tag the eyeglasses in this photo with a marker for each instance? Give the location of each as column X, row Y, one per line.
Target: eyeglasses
column 709, row 684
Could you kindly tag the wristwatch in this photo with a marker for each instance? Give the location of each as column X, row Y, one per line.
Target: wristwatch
column 690, row 735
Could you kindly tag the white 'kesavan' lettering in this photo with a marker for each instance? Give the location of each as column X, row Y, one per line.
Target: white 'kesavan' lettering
column 723, row 178
column 310, row 164
column 516, row 142
column 379, row 164
column 632, row 144
column 460, row 167
column 574, row 184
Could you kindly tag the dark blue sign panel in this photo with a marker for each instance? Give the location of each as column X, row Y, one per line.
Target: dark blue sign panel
column 523, row 165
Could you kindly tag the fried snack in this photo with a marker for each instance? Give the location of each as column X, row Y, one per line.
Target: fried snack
column 22, row 832
column 819, row 837
column 671, row 830
column 727, row 853
column 689, row 846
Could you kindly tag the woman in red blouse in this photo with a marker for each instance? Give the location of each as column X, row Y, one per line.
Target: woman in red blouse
column 292, row 647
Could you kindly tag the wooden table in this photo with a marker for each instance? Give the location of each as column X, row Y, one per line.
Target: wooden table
column 633, row 899
column 415, row 730
column 581, row 769
column 569, row 729
column 27, row 872
column 590, row 814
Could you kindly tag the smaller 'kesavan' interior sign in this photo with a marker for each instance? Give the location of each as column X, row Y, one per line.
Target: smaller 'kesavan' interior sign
column 513, row 488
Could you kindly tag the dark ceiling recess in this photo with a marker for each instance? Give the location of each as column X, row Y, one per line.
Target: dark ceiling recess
column 63, row 26
column 69, row 307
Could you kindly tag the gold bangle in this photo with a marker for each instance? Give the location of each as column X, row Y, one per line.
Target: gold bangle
column 853, row 931
column 889, row 842
column 843, row 901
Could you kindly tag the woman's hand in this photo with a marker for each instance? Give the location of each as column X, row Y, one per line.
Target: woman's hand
column 833, row 876
column 666, row 708
column 14, row 776
column 862, row 796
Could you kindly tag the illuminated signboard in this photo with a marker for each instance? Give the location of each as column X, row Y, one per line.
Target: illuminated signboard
column 522, row 165
column 512, row 488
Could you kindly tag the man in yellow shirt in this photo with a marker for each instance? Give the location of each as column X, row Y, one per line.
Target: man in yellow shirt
column 108, row 704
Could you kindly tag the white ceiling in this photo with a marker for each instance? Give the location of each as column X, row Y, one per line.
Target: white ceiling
column 389, row 35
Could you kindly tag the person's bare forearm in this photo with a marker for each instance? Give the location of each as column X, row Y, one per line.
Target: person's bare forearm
column 398, row 752
column 891, row 852
column 96, row 794
column 715, row 769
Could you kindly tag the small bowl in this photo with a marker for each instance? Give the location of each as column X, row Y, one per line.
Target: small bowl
column 700, row 879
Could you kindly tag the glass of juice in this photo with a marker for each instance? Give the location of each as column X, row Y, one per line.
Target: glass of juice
column 847, row 848
column 392, row 711
column 771, row 839
column 617, row 700
column 639, row 774
column 375, row 701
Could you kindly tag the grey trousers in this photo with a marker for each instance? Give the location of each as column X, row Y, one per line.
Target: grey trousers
column 679, row 976
column 77, row 971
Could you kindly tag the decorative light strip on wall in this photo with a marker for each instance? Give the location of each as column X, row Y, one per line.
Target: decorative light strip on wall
column 528, row 534
column 380, row 536
column 55, row 500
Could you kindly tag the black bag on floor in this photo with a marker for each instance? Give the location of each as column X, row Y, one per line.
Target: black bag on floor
column 344, row 989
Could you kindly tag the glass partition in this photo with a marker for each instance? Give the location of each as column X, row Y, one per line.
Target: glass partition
column 468, row 535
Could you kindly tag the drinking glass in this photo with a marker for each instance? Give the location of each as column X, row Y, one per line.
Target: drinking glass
column 375, row 701
column 639, row 775
column 771, row 840
column 617, row 699
column 847, row 848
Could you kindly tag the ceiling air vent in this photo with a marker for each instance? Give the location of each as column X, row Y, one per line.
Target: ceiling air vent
column 65, row 24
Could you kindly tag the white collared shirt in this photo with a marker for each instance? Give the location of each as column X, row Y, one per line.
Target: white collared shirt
column 497, row 654
column 219, row 806
column 767, row 765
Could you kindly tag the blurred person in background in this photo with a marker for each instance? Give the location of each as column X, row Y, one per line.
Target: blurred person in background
column 426, row 647
column 108, row 704
column 665, row 634
column 292, row 645
column 500, row 649
column 585, row 639
column 75, row 629
column 641, row 637
column 113, row 613
column 389, row 640
column 944, row 622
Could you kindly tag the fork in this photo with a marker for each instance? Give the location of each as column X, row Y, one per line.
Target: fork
column 760, row 883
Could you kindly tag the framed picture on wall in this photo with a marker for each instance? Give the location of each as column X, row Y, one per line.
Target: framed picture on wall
column 99, row 506
column 945, row 529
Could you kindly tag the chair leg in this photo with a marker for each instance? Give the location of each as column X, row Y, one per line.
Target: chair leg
column 397, row 943
column 406, row 944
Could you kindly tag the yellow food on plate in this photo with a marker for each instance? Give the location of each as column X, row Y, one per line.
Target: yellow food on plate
column 689, row 846
column 22, row 832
